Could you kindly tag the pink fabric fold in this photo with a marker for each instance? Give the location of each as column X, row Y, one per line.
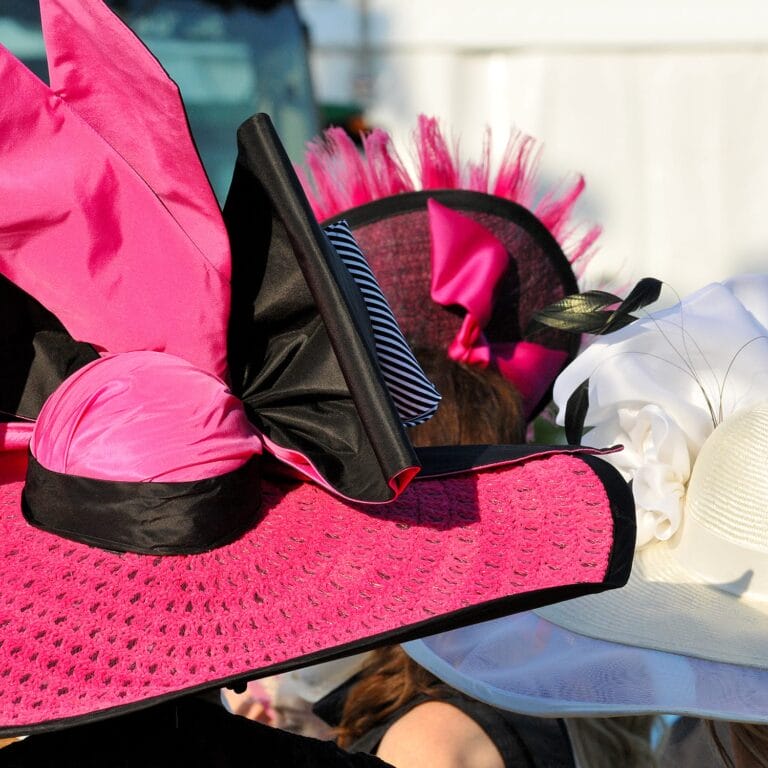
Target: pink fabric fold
column 106, row 74
column 467, row 263
column 141, row 417
column 530, row 367
column 301, row 466
column 83, row 233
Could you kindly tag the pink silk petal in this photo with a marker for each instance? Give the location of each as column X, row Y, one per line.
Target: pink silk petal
column 83, row 234
column 107, row 75
column 467, row 262
column 530, row 367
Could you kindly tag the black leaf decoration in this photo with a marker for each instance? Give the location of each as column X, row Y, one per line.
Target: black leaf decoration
column 586, row 312
column 575, row 413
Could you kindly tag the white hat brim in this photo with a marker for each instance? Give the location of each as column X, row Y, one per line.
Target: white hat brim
column 664, row 643
column 527, row 664
column 666, row 607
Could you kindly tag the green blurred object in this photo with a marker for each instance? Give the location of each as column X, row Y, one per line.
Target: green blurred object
column 349, row 116
column 544, row 431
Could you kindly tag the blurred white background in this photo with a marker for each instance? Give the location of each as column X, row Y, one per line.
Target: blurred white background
column 661, row 105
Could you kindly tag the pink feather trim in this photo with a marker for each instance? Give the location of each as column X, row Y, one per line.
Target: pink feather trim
column 339, row 177
column 387, row 174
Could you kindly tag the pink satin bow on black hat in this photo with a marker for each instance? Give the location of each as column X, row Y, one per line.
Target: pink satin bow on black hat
column 467, row 263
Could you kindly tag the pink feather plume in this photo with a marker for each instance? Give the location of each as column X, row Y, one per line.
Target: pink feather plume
column 339, row 176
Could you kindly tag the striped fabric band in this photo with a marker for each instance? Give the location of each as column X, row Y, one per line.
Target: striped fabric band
column 414, row 395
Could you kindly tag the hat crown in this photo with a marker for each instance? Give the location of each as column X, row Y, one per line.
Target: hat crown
column 723, row 540
column 728, row 490
column 143, row 416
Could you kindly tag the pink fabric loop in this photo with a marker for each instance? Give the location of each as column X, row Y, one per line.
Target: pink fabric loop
column 467, row 262
column 530, row 367
column 470, row 345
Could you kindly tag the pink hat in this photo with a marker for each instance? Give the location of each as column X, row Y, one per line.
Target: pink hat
column 167, row 550
column 465, row 256
column 90, row 630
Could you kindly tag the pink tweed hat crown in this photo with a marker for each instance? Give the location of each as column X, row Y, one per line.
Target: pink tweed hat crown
column 202, row 476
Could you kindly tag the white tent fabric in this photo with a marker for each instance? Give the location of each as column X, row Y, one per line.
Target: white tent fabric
column 661, row 106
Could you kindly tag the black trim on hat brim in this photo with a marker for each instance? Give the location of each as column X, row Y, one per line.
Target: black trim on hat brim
column 616, row 575
column 461, row 618
column 446, row 460
column 149, row 518
column 622, row 501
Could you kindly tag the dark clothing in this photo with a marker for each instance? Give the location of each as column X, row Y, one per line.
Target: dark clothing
column 522, row 741
column 188, row 732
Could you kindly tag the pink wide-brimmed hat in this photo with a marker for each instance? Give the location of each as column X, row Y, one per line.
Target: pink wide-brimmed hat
column 203, row 476
column 465, row 256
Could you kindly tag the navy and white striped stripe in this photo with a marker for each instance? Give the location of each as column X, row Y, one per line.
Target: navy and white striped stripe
column 414, row 395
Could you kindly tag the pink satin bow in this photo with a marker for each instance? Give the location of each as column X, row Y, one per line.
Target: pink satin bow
column 467, row 263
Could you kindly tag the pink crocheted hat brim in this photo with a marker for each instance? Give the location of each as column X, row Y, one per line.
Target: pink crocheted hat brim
column 83, row 631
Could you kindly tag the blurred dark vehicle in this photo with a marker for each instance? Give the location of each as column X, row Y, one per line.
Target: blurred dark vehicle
column 230, row 58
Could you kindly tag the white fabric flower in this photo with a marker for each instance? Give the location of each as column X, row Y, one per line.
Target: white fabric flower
column 661, row 385
column 657, row 460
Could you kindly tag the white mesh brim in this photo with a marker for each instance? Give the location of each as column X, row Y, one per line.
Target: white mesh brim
column 526, row 664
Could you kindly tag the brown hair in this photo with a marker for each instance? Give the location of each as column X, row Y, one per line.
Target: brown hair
column 749, row 745
column 479, row 406
column 389, row 680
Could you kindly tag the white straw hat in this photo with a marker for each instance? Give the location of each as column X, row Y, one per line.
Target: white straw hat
column 688, row 634
column 704, row 592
